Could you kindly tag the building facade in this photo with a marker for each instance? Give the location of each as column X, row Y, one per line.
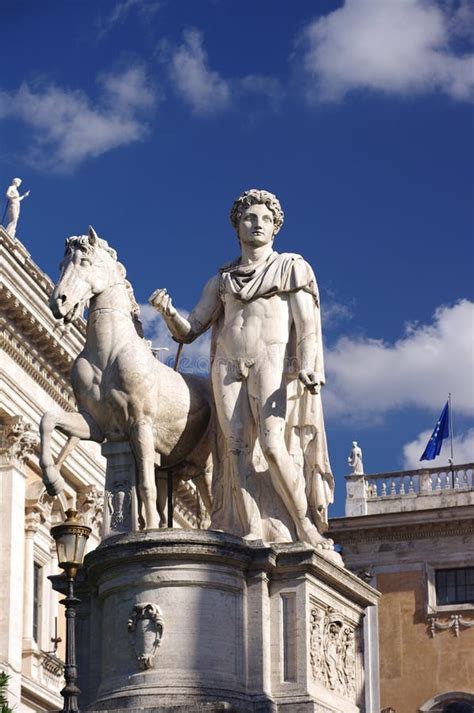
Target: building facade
column 36, row 357
column 411, row 535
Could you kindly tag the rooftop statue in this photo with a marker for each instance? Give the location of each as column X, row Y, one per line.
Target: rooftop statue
column 122, row 391
column 355, row 460
column 271, row 479
column 14, row 199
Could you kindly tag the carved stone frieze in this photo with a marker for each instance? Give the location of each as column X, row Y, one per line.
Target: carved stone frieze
column 18, row 439
column 456, row 622
column 332, row 651
column 145, row 627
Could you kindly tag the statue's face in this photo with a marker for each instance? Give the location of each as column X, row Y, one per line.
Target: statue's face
column 256, row 225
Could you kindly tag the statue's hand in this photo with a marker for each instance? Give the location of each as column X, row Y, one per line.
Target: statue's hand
column 161, row 301
column 309, row 380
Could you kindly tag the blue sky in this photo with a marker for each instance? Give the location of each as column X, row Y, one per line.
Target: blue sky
column 147, row 118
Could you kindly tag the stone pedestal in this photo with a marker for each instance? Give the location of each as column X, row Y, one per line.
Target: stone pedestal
column 200, row 620
column 120, row 492
column 356, row 495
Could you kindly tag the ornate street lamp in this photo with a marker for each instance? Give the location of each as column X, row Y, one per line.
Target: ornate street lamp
column 71, row 537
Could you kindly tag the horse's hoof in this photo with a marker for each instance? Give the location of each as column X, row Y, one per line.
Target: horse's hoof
column 53, row 480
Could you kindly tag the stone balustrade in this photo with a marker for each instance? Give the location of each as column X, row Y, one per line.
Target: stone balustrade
column 420, row 489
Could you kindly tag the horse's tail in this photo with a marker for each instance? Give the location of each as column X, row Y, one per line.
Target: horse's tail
column 68, row 448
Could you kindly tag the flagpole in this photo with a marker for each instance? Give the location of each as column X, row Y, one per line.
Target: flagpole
column 451, row 427
column 451, row 460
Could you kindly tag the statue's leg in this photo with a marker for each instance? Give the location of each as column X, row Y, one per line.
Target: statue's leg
column 13, row 213
column 76, row 425
column 233, row 412
column 268, row 402
column 141, row 438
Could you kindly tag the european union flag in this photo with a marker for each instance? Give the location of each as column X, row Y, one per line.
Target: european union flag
column 440, row 432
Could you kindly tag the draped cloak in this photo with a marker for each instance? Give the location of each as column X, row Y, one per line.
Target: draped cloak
column 305, row 435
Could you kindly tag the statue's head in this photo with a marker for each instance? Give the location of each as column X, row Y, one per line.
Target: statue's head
column 16, row 182
column 257, row 197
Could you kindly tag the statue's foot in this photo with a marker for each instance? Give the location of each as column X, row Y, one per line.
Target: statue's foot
column 252, row 536
column 307, row 532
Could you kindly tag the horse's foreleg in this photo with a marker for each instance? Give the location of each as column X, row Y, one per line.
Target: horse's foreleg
column 161, row 480
column 77, row 426
column 141, row 436
column 204, row 485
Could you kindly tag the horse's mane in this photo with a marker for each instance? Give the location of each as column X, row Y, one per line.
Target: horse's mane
column 83, row 243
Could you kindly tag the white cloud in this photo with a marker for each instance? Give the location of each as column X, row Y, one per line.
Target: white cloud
column 195, row 357
column 202, row 88
column 333, row 312
column 121, row 11
column 205, row 90
column 267, row 87
column 463, row 449
column 394, row 46
column 368, row 377
column 67, row 127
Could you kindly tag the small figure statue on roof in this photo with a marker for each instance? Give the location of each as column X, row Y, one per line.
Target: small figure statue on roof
column 14, row 198
column 355, row 459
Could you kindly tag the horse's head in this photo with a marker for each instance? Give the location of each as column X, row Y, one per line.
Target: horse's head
column 89, row 266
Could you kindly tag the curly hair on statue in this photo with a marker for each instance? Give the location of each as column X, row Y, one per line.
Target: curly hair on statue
column 254, row 197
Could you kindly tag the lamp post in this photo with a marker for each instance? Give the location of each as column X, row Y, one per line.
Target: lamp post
column 71, row 537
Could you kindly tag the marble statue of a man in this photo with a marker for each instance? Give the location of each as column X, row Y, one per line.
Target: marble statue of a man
column 14, row 198
column 355, row 459
column 272, row 479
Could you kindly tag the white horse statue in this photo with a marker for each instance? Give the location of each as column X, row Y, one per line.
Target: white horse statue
column 122, row 391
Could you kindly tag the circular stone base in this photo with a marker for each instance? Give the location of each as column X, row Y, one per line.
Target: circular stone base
column 167, row 621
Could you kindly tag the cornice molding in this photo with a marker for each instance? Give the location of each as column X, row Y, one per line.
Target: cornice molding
column 24, row 299
column 33, row 363
column 408, row 531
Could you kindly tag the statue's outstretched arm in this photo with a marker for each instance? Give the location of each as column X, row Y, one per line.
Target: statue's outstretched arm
column 206, row 310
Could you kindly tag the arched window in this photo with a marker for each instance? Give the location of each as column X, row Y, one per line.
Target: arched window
column 452, row 702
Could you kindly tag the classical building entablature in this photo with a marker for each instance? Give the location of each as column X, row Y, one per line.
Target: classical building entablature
column 32, row 337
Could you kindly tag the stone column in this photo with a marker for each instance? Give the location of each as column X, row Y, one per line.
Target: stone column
column 17, row 441
column 32, row 522
column 12, row 509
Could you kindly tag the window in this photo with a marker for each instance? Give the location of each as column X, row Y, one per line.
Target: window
column 455, row 586
column 37, row 581
column 458, row 707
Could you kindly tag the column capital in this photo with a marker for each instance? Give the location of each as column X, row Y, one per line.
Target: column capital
column 32, row 521
column 18, row 440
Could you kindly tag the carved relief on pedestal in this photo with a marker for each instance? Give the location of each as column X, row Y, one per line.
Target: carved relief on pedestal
column 145, row 627
column 119, row 503
column 332, row 651
column 18, row 440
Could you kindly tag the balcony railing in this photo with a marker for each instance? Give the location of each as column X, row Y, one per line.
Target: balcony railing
column 410, row 483
column 402, row 490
